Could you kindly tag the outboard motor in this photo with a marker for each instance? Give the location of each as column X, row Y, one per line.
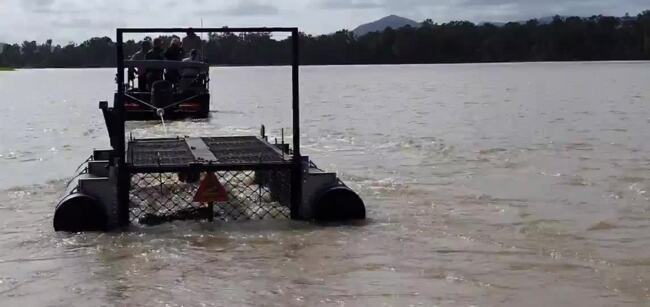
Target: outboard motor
column 162, row 93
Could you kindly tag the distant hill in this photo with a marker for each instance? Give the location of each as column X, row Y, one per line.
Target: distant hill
column 392, row 21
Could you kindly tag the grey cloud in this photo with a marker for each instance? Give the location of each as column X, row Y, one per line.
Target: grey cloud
column 346, row 4
column 480, row 10
column 245, row 8
column 81, row 23
column 80, row 19
column 171, row 3
column 57, row 7
column 37, row 6
column 386, row 4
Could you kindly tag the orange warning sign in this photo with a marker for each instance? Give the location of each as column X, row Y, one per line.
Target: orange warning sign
column 210, row 190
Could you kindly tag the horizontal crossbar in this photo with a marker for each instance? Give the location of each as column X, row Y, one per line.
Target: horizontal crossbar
column 165, row 64
column 208, row 167
column 200, row 30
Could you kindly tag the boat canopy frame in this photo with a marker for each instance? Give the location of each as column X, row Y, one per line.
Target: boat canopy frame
column 118, row 131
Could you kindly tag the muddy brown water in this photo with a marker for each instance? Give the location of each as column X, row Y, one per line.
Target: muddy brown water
column 492, row 184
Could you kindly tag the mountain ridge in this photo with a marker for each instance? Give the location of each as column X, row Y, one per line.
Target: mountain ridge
column 390, row 21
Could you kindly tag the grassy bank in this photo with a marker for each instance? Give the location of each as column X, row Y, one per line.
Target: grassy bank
column 6, row 68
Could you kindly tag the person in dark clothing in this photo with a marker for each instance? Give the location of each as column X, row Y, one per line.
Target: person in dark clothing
column 191, row 76
column 145, row 46
column 192, row 42
column 174, row 53
column 175, row 50
column 156, row 53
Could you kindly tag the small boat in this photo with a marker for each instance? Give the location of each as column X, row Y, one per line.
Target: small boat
column 187, row 95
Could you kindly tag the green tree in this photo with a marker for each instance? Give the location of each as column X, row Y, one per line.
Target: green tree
column 563, row 39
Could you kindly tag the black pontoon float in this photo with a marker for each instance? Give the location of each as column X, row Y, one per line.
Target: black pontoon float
column 151, row 181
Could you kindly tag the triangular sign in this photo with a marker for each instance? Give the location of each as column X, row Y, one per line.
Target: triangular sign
column 210, row 190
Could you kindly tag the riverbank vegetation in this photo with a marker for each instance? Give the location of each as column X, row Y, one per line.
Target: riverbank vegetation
column 562, row 39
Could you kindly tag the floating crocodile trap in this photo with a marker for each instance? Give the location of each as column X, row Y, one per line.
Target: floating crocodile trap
column 213, row 178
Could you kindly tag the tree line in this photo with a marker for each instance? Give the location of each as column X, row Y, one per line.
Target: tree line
column 562, row 39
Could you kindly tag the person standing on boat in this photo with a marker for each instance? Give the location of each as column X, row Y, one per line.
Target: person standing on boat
column 175, row 50
column 145, row 46
column 192, row 42
column 174, row 53
column 156, row 53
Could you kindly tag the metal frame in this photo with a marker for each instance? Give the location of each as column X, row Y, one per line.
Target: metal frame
column 124, row 171
column 251, row 195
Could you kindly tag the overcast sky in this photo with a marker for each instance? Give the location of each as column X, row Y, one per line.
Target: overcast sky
column 76, row 20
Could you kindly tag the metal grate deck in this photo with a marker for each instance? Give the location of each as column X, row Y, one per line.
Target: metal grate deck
column 153, row 152
column 242, row 149
column 213, row 150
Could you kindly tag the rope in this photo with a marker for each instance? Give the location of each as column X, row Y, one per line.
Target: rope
column 84, row 171
column 163, row 108
column 82, row 163
column 179, row 102
column 141, row 101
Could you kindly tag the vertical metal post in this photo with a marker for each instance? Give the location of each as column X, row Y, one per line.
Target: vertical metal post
column 123, row 176
column 296, row 174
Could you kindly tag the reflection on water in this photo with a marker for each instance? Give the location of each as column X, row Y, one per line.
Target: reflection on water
column 494, row 184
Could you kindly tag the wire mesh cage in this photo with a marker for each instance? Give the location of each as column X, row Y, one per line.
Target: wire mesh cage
column 248, row 195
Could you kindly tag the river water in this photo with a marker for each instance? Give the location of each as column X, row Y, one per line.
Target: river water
column 489, row 184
